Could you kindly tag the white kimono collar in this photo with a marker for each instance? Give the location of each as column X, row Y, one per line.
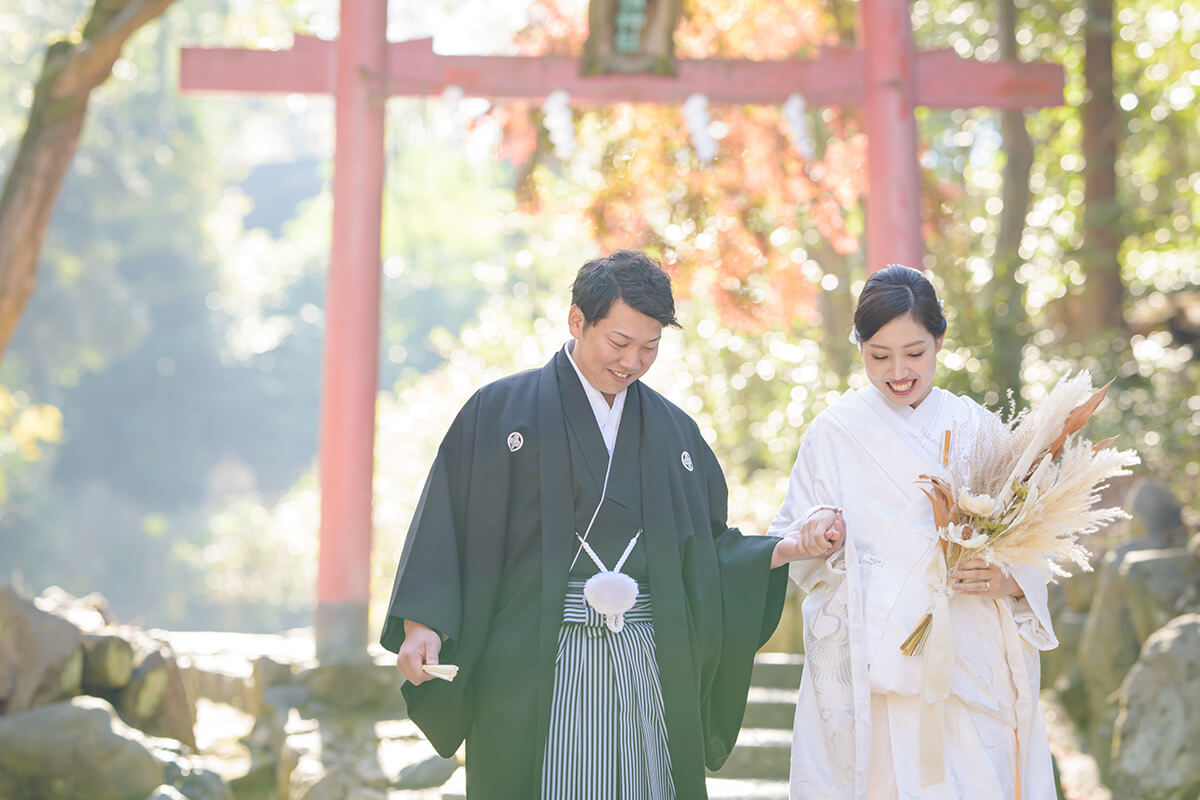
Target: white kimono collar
column 923, row 426
column 902, row 449
column 608, row 419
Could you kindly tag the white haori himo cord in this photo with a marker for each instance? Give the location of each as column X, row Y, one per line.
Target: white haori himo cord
column 611, row 592
column 592, row 521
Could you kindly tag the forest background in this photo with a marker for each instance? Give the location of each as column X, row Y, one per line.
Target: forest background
column 159, row 401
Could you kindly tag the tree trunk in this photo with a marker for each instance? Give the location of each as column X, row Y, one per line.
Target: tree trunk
column 837, row 306
column 1009, row 326
column 837, row 316
column 71, row 71
column 1103, row 291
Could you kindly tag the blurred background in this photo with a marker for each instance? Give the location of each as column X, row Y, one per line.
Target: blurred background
column 159, row 402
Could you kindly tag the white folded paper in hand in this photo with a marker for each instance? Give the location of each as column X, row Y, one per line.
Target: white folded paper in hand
column 446, row 672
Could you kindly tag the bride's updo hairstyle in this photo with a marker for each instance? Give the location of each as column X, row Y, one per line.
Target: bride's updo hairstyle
column 891, row 292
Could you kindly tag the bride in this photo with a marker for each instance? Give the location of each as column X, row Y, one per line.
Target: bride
column 961, row 719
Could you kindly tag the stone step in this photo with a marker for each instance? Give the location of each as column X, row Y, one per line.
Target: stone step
column 718, row 788
column 456, row 787
column 770, row 708
column 777, row 671
column 735, row 789
column 757, row 768
column 761, row 754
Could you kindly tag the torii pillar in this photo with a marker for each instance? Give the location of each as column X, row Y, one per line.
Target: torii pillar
column 350, row 364
column 893, row 172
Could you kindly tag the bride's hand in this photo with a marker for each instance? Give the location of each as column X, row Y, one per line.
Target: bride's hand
column 979, row 578
column 822, row 535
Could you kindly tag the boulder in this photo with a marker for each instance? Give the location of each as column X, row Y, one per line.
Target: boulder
column 166, row 792
column 185, row 774
column 433, row 771
column 176, row 715
column 41, row 660
column 89, row 613
column 1156, row 583
column 366, row 793
column 74, row 749
column 157, row 698
column 1068, row 626
column 146, row 688
column 225, row 674
column 299, row 756
column 347, row 687
column 259, row 781
column 1156, row 513
column 332, row 756
column 266, row 740
column 195, row 781
column 313, row 780
column 269, row 672
column 107, row 662
column 1074, row 593
column 1137, row 588
column 302, row 772
column 1154, row 755
column 275, row 705
column 1108, row 644
column 362, row 759
column 1072, row 695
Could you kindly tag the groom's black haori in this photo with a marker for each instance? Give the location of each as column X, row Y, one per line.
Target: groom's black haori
column 490, row 550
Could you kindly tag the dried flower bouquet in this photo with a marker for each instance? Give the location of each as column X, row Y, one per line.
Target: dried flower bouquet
column 1022, row 492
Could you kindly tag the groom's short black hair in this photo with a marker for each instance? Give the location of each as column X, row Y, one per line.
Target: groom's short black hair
column 627, row 275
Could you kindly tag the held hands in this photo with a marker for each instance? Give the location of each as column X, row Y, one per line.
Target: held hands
column 422, row 645
column 820, row 536
column 981, row 579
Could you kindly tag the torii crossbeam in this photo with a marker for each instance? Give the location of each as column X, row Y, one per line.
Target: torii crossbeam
column 886, row 76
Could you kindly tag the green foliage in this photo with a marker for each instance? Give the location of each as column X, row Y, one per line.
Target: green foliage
column 184, row 350
column 448, row 217
column 1158, row 167
column 178, row 323
column 25, row 431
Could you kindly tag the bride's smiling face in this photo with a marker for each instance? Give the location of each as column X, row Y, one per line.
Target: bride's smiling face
column 901, row 359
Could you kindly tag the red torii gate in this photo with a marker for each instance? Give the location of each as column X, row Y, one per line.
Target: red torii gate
column 361, row 69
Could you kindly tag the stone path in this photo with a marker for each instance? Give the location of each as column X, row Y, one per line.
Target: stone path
column 232, row 697
column 1079, row 775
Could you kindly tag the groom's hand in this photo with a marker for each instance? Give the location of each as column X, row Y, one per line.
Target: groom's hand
column 422, row 645
column 822, row 535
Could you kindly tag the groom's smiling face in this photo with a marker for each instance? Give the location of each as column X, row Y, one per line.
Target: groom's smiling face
column 616, row 350
column 901, row 359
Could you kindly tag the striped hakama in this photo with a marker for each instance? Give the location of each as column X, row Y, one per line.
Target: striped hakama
column 607, row 737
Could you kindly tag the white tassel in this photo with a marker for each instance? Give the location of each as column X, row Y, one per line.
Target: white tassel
column 611, row 594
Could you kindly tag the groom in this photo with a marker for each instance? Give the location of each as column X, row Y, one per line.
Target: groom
column 545, row 479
